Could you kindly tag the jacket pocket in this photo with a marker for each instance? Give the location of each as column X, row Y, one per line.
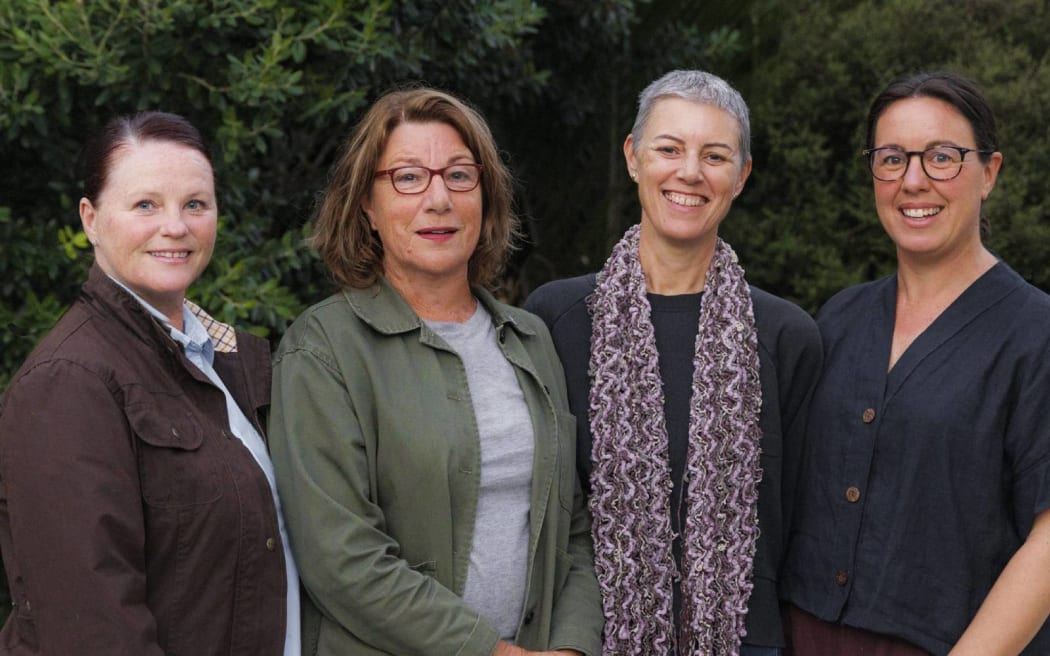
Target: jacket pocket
column 174, row 471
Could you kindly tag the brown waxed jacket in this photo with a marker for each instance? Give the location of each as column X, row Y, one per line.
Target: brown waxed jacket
column 132, row 522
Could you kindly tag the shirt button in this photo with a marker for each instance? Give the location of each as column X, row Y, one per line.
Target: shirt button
column 271, row 544
column 841, row 577
column 852, row 494
column 868, row 416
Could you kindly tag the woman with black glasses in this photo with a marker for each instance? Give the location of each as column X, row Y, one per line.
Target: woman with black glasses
column 923, row 524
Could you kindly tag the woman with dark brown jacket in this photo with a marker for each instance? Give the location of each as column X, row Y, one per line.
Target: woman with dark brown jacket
column 138, row 512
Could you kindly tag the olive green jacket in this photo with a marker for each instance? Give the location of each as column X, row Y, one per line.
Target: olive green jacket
column 377, row 455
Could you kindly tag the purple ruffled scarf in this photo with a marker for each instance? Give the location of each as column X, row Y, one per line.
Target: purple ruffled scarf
column 631, row 482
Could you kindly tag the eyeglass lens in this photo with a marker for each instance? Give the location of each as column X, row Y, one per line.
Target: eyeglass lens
column 940, row 163
column 415, row 179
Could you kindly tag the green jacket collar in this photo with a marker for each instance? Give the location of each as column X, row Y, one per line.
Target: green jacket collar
column 386, row 311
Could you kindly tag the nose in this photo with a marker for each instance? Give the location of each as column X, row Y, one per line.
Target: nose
column 174, row 223
column 438, row 197
column 690, row 170
column 915, row 176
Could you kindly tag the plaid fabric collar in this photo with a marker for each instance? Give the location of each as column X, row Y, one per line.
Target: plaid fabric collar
column 223, row 336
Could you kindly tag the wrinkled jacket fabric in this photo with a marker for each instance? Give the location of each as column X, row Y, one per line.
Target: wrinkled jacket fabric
column 132, row 522
column 377, row 457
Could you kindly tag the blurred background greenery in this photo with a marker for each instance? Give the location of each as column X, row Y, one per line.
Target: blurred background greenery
column 276, row 87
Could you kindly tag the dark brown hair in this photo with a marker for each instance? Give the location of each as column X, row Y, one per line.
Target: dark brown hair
column 961, row 93
column 342, row 235
column 96, row 158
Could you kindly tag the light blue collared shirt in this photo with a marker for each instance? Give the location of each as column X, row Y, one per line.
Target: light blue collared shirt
column 199, row 350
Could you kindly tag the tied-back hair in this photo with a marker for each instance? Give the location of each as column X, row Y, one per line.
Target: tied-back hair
column 695, row 86
column 343, row 236
column 96, row 159
column 961, row 93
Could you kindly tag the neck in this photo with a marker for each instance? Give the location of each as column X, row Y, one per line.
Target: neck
column 442, row 299
column 920, row 280
column 674, row 268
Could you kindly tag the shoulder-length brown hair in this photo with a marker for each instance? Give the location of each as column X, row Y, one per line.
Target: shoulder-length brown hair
column 342, row 235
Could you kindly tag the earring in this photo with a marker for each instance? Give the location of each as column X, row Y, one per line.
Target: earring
column 634, row 176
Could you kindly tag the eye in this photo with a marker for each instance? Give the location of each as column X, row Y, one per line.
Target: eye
column 407, row 176
column 942, row 156
column 196, row 205
column 460, row 174
column 716, row 158
column 891, row 158
column 144, row 205
column 666, row 149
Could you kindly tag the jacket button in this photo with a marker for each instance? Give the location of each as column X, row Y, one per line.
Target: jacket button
column 529, row 617
column 841, row 578
column 868, row 415
column 852, row 494
column 271, row 544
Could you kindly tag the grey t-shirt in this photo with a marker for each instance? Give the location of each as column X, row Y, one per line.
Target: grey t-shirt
column 496, row 576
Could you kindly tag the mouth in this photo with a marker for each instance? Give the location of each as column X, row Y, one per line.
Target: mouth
column 170, row 255
column 920, row 212
column 686, row 200
column 436, row 232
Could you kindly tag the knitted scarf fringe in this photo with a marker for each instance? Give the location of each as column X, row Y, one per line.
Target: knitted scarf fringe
column 631, row 480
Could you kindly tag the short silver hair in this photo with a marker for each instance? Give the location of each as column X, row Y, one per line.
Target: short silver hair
column 697, row 86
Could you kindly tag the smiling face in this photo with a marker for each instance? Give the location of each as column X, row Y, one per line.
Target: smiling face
column 431, row 235
column 154, row 222
column 924, row 217
column 689, row 169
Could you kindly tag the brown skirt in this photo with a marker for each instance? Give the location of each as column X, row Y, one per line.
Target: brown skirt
column 810, row 636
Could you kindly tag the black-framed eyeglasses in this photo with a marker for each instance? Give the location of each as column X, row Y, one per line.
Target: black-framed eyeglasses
column 941, row 163
column 464, row 176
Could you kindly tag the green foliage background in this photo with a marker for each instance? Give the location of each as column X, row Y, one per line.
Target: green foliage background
column 277, row 87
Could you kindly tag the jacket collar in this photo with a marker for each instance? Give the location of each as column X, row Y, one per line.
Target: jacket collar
column 384, row 309
column 113, row 300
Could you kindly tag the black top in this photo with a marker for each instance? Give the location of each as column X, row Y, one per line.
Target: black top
column 789, row 361
column 923, row 481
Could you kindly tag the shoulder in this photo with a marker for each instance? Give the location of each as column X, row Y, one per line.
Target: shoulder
column 317, row 326
column 76, row 359
column 77, row 340
column 779, row 312
column 780, row 321
column 1026, row 297
column 555, row 301
column 854, row 299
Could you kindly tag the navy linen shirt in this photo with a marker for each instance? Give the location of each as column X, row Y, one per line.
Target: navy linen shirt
column 922, row 482
column 789, row 365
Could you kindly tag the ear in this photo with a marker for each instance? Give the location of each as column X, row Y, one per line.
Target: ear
column 991, row 172
column 629, row 156
column 745, row 171
column 366, row 208
column 87, row 220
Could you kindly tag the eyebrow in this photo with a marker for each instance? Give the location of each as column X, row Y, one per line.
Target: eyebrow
column 929, row 144
column 415, row 161
column 671, row 137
